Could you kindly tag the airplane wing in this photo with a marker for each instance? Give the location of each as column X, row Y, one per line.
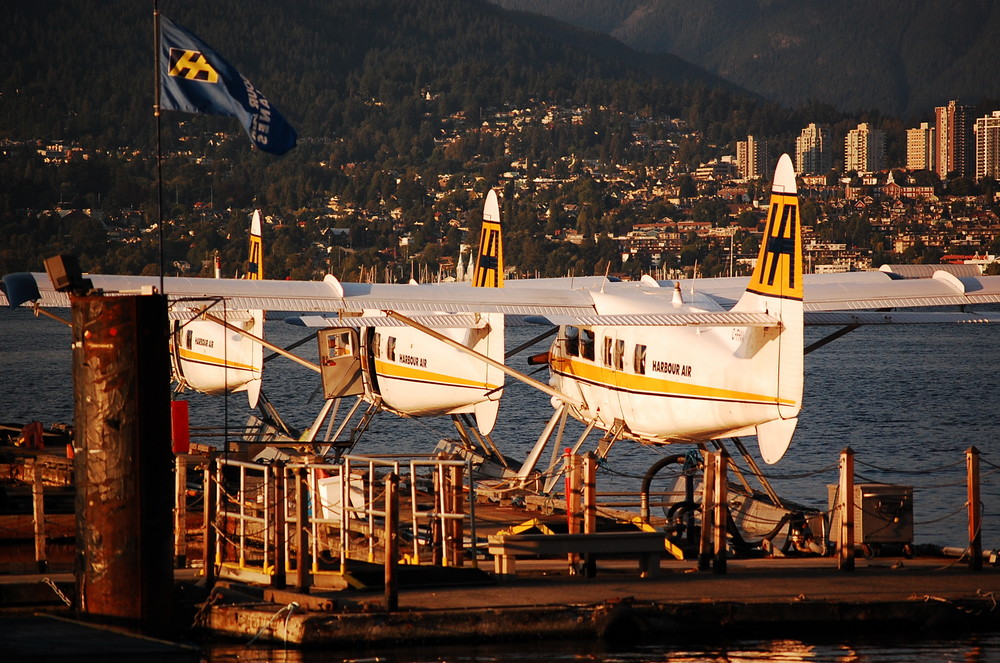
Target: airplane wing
column 856, row 291
column 326, row 296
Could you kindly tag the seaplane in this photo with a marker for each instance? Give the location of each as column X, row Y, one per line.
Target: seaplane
column 652, row 362
column 205, row 355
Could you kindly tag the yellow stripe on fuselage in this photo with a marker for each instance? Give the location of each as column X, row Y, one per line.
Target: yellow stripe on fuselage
column 397, row 371
column 646, row 385
column 210, row 360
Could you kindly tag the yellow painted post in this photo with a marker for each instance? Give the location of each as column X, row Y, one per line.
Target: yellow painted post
column 707, row 515
column 974, row 504
column 845, row 557
column 589, row 507
column 720, row 518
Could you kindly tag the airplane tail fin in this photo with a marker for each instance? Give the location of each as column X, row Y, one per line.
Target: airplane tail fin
column 489, row 262
column 776, row 288
column 255, row 272
column 489, row 274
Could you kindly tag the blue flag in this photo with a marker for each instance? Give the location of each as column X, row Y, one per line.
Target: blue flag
column 195, row 79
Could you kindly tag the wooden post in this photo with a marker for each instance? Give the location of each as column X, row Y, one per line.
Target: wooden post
column 303, row 560
column 572, row 470
column 589, row 508
column 38, row 513
column 707, row 514
column 279, row 579
column 437, row 536
column 720, row 518
column 391, row 537
column 456, row 528
column 974, row 502
column 589, row 493
column 209, row 535
column 180, row 511
column 845, row 556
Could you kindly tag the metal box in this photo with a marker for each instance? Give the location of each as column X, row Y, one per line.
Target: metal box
column 883, row 513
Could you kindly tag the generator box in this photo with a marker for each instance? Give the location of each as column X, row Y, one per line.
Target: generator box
column 883, row 513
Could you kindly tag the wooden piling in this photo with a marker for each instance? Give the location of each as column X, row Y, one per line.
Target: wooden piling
column 974, row 505
column 303, row 560
column 279, row 578
column 845, row 543
column 572, row 481
column 38, row 514
column 209, row 535
column 391, row 537
column 124, row 495
column 720, row 512
column 456, row 528
column 707, row 514
column 180, row 511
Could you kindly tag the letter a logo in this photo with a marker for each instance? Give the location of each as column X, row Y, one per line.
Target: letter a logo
column 192, row 66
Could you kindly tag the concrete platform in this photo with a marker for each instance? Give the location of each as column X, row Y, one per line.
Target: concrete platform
column 763, row 596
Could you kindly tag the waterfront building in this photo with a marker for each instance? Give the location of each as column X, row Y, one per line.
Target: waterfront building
column 814, row 150
column 987, row 131
column 920, row 147
column 864, row 149
column 954, row 151
column 752, row 158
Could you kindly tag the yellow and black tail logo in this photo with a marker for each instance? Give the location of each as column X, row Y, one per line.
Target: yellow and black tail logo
column 779, row 266
column 489, row 262
column 192, row 66
column 489, row 265
column 255, row 269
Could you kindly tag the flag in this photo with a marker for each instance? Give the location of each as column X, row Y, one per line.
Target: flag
column 195, row 79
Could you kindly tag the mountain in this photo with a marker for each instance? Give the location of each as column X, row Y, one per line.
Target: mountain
column 324, row 64
column 901, row 57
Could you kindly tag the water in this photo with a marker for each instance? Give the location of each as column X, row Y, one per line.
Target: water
column 909, row 400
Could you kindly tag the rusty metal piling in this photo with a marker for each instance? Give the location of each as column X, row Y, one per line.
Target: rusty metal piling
column 122, row 460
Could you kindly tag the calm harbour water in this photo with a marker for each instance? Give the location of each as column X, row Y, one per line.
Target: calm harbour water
column 909, row 401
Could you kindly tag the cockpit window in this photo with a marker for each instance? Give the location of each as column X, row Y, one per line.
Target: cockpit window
column 572, row 341
column 639, row 359
column 587, row 344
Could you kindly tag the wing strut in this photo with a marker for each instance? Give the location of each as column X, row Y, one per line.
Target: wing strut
column 266, row 344
column 541, row 386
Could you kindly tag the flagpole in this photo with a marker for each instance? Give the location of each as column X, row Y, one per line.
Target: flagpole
column 159, row 154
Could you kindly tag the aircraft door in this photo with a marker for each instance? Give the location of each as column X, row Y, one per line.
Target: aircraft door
column 340, row 363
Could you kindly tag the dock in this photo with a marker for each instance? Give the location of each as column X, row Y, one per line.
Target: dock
column 434, row 562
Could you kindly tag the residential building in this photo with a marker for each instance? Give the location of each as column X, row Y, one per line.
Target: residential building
column 987, row 132
column 864, row 149
column 920, row 147
column 814, row 150
column 954, row 149
column 752, row 158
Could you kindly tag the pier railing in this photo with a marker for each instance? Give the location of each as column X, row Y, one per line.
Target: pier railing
column 263, row 533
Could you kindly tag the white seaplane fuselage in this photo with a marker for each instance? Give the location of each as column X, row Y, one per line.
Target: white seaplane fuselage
column 667, row 383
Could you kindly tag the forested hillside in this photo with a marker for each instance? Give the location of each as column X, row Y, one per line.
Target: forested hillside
column 407, row 111
column 902, row 57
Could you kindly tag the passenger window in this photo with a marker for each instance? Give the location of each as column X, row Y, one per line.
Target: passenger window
column 639, row 359
column 390, row 349
column 572, row 341
column 607, row 351
column 188, row 338
column 619, row 355
column 377, row 343
column 587, row 344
